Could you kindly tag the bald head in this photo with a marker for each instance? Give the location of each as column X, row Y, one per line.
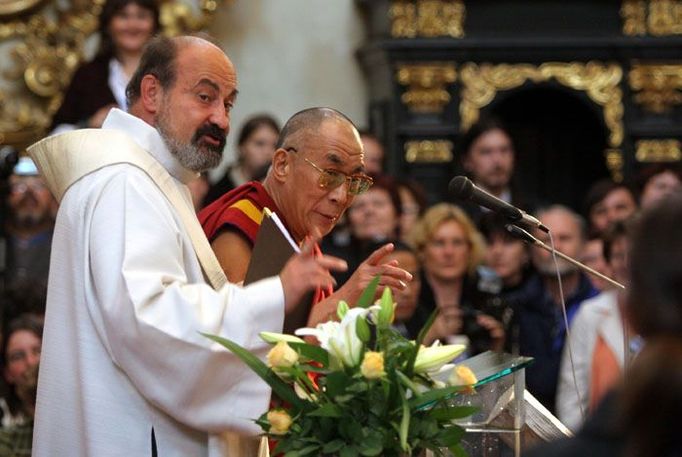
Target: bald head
column 308, row 121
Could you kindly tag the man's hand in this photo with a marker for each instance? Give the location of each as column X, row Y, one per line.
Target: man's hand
column 304, row 272
column 390, row 276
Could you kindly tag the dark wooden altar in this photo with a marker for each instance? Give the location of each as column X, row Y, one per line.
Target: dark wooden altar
column 588, row 88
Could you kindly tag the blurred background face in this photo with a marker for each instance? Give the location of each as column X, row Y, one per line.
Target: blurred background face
column 372, row 215
column 408, row 298
column 593, row 256
column 618, row 205
column 490, row 160
column 131, row 28
column 29, row 200
column 508, row 257
column 374, row 155
column 659, row 187
column 618, row 260
column 257, row 151
column 567, row 239
column 446, row 253
column 22, row 354
column 410, row 211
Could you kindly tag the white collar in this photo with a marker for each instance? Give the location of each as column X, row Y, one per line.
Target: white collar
column 118, row 80
column 149, row 139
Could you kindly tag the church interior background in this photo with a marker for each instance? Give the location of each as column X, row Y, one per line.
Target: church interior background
column 589, row 89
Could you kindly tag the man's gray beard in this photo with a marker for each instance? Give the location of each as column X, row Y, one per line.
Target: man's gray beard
column 189, row 155
column 30, row 220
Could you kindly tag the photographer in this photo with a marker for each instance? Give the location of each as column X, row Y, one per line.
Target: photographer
column 451, row 250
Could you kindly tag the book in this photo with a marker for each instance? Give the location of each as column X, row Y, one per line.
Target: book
column 273, row 247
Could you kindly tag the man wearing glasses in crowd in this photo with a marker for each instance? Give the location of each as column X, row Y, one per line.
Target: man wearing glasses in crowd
column 316, row 171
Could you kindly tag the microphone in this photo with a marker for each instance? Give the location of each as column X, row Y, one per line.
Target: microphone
column 463, row 189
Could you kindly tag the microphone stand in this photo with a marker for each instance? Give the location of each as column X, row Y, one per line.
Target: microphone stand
column 522, row 234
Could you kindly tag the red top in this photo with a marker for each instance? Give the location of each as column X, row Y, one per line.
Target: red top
column 241, row 209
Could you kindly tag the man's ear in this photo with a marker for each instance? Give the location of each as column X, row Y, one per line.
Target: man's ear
column 151, row 94
column 281, row 164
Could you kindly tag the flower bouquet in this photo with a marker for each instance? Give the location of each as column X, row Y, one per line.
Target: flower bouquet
column 364, row 391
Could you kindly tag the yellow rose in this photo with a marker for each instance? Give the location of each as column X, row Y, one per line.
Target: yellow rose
column 373, row 365
column 463, row 376
column 282, row 356
column 280, row 421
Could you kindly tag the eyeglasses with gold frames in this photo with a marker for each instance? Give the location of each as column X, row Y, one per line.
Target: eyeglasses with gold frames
column 331, row 179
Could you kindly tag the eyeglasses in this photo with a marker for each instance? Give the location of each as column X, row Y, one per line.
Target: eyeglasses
column 331, row 179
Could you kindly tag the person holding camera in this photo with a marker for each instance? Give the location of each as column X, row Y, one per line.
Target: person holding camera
column 451, row 251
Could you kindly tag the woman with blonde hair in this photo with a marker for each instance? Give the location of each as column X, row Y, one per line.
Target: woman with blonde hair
column 451, row 251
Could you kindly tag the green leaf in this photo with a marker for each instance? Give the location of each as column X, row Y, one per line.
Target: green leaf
column 371, row 445
column 308, row 450
column 362, row 329
column 458, row 451
column 326, row 410
column 312, row 352
column 336, row 383
column 433, row 395
column 282, row 389
column 348, row 451
column 449, row 436
column 404, row 421
column 407, row 382
column 333, row 446
column 367, row 297
column 452, row 412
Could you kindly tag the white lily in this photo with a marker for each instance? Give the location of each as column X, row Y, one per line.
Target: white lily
column 340, row 338
column 273, row 338
column 431, row 359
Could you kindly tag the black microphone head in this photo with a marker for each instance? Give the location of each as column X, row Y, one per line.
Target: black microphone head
column 461, row 188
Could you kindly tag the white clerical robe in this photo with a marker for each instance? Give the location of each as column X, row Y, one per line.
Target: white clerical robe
column 122, row 353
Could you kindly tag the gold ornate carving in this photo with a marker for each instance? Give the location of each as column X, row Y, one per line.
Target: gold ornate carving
column 427, row 18
column 47, row 46
column 653, row 17
column 426, row 86
column 480, row 84
column 658, row 86
column 614, row 162
column 14, row 7
column 428, row 151
column 178, row 17
column 667, row 150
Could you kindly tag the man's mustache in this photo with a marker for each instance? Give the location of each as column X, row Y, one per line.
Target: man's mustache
column 213, row 131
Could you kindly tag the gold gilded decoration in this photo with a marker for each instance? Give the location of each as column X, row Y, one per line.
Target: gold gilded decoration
column 426, row 86
column 178, row 17
column 614, row 162
column 667, row 150
column 47, row 46
column 427, row 18
column 658, row 87
column 652, row 17
column 15, row 7
column 428, row 151
column 480, row 84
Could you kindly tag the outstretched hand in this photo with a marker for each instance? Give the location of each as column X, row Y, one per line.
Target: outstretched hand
column 390, row 275
column 305, row 271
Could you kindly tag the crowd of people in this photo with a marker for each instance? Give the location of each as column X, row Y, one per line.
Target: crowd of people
column 326, row 181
